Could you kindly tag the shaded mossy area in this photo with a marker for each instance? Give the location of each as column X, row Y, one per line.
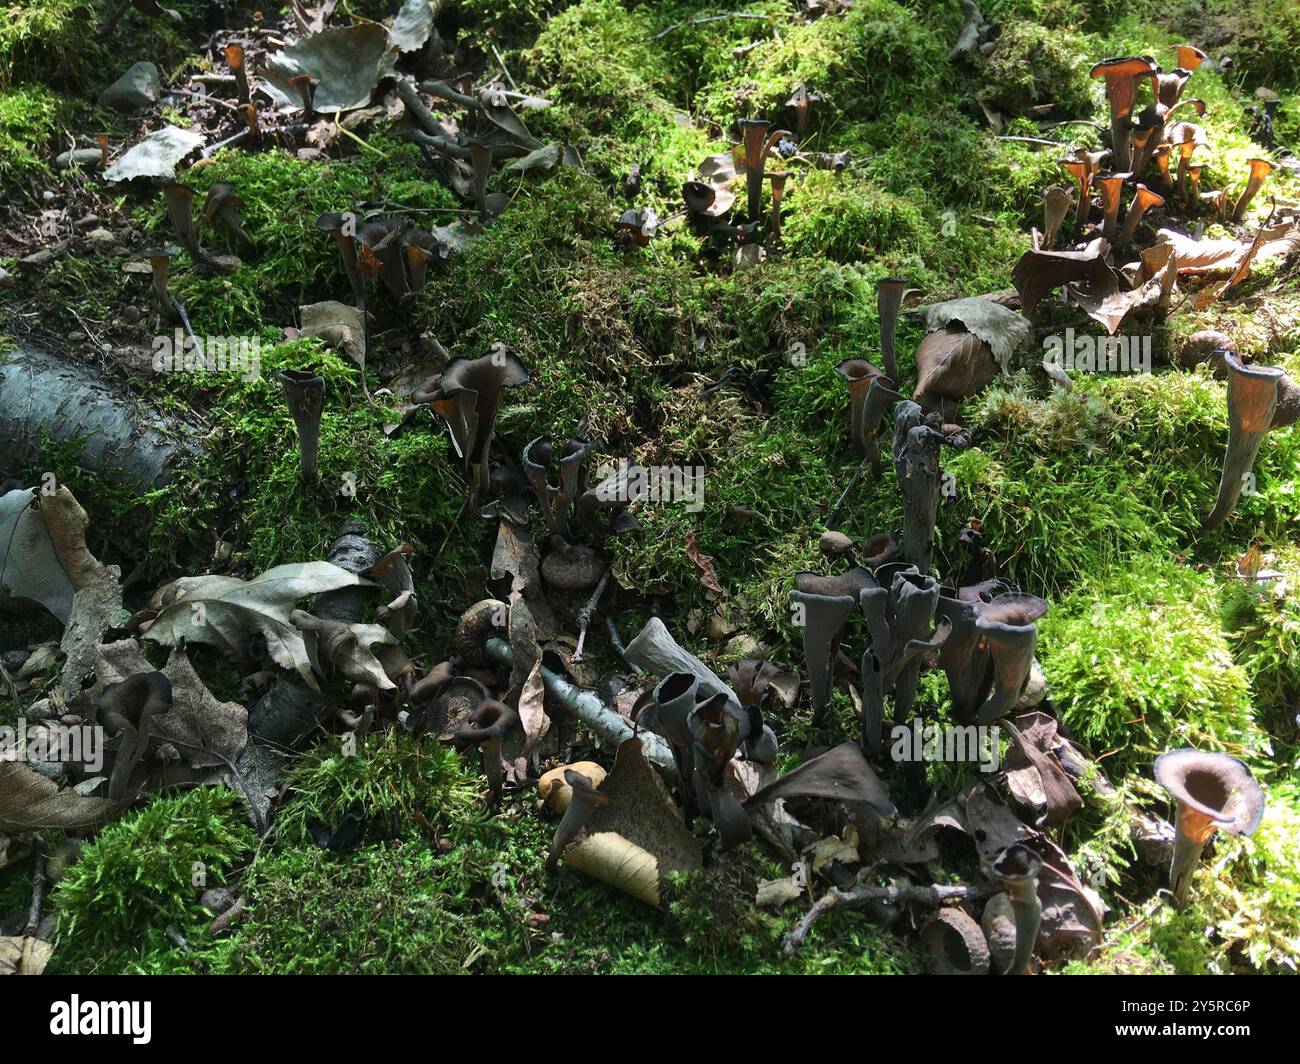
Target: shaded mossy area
column 1090, row 498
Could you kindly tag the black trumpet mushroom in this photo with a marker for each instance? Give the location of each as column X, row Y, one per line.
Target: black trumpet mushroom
column 1214, row 792
column 126, row 710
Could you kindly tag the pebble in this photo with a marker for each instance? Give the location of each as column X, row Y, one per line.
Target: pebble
column 101, row 236
column 76, row 336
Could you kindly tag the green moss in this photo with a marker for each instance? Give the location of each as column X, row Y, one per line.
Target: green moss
column 27, row 121
column 389, row 779
column 1138, row 663
column 1031, row 64
column 1244, row 914
column 42, row 37
column 144, row 874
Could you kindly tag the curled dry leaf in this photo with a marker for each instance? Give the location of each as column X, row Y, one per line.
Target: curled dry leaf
column 346, row 63
column 637, row 837
column 225, row 611
column 704, row 563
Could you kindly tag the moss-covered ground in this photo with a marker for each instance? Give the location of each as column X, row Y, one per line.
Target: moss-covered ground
column 1090, row 498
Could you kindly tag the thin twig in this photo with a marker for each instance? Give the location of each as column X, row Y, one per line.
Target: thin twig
column 584, row 617
column 504, row 69
column 13, row 688
column 1034, row 140
column 201, row 96
column 617, row 643
column 38, row 887
column 710, row 18
column 902, row 894
column 848, row 488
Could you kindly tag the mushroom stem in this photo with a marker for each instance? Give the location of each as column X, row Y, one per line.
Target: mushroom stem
column 1017, row 870
column 754, row 138
column 891, row 292
column 1259, row 170
column 916, row 461
column 480, row 156
column 305, row 394
column 1192, row 830
column 234, row 54
column 1111, row 186
column 583, row 802
column 1143, row 200
column 162, row 298
column 127, row 709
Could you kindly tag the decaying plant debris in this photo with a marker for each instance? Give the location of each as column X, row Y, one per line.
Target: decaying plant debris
column 523, row 532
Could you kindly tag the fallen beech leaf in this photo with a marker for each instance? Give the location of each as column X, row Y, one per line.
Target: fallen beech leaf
column 345, row 648
column 704, row 563
column 1039, row 272
column 1002, row 329
column 773, row 893
column 531, row 709
column 30, row 802
column 339, row 325
column 954, row 364
column 45, row 559
column 841, row 774
column 207, row 732
column 413, row 24
column 224, row 611
column 637, row 837
column 24, row 956
column 346, row 63
column 1226, row 255
column 156, row 155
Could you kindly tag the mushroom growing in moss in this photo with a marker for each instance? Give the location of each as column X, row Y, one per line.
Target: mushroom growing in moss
column 1017, row 869
column 1259, row 171
column 891, row 294
column 1122, row 79
column 1260, row 398
column 870, row 394
column 1083, row 166
column 304, row 392
column 584, row 799
column 824, row 604
column 1185, row 137
column 1111, row 185
column 757, row 141
column 1143, row 200
column 342, row 227
column 125, row 710
column 1056, row 203
column 491, row 721
column 468, row 395
column 1214, row 792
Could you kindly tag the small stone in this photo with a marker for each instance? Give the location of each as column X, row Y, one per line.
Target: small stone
column 76, row 336
column 47, row 196
column 217, row 900
column 135, row 90
column 572, row 568
column 102, row 237
column 7, row 279
column 131, row 314
column 1200, row 347
column 835, row 543
column 70, row 720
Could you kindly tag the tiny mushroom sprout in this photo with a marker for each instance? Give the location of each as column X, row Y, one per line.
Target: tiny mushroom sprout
column 304, row 393
column 1214, row 792
column 1056, row 202
column 1259, row 170
column 1186, row 137
column 1143, row 200
column 1017, row 869
column 1122, row 78
column 1111, row 186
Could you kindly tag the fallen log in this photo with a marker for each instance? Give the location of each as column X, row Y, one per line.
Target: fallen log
column 46, row 396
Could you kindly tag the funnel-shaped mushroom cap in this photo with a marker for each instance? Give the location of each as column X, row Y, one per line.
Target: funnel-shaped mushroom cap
column 478, row 386
column 1122, row 76
column 1216, row 786
column 1056, row 202
column 1143, row 200
column 1013, row 608
column 753, row 133
column 1169, row 87
column 1260, row 168
column 699, row 197
column 1186, row 137
column 849, row 583
column 491, row 720
column 891, row 294
column 1190, row 57
column 1017, row 864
